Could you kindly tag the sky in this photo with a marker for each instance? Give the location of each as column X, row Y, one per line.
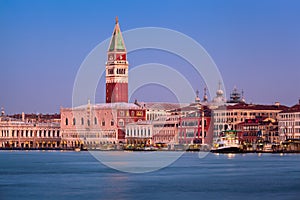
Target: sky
column 255, row 45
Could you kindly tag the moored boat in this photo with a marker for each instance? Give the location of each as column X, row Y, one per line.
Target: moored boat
column 77, row 149
column 227, row 142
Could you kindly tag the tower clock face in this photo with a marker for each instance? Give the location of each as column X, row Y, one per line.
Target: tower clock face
column 121, row 56
column 110, row 57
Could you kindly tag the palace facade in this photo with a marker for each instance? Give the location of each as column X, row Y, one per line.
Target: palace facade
column 98, row 125
column 25, row 133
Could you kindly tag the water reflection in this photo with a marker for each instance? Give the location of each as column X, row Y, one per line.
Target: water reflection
column 230, row 156
column 136, row 162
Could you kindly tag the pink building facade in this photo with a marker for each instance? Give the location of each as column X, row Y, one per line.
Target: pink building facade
column 99, row 125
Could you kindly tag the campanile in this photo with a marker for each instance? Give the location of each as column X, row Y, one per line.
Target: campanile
column 117, row 68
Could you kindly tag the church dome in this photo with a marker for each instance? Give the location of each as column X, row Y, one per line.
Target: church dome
column 219, row 92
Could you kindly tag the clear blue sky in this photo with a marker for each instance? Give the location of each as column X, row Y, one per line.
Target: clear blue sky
column 255, row 44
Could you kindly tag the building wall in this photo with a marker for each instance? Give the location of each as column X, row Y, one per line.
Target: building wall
column 91, row 128
column 20, row 134
column 289, row 125
column 96, row 126
column 253, row 130
column 190, row 130
column 165, row 130
column 229, row 118
column 116, row 92
column 139, row 133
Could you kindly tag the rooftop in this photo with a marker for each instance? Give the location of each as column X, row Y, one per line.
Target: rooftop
column 245, row 106
column 160, row 105
column 117, row 105
column 295, row 108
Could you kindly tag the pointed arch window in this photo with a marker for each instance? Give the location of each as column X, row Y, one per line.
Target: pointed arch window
column 74, row 121
column 67, row 121
column 82, row 121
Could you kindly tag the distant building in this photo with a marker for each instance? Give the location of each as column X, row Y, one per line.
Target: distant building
column 139, row 133
column 37, row 117
column 253, row 130
column 178, row 126
column 157, row 109
column 25, row 134
column 289, row 123
column 227, row 117
column 165, row 130
column 194, row 124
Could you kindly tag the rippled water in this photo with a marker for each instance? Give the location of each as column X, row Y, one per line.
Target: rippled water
column 77, row 175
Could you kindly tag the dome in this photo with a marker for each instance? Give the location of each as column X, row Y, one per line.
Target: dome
column 219, row 92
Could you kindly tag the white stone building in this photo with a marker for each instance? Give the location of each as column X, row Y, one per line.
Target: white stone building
column 289, row 123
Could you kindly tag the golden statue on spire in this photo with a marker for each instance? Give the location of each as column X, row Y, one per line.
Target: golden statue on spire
column 117, row 19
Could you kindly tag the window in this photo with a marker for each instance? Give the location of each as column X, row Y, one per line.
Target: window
column 110, row 71
column 121, row 122
column 82, row 121
column 95, row 120
column 122, row 113
column 88, row 122
column 139, row 113
column 121, row 71
column 103, row 122
column 67, row 121
column 112, row 123
column 74, row 121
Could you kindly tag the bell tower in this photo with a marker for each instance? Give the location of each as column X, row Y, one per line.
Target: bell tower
column 117, row 68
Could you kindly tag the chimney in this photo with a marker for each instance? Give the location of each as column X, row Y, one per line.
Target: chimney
column 277, row 103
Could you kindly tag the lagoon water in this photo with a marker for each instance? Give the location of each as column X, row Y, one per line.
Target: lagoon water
column 78, row 175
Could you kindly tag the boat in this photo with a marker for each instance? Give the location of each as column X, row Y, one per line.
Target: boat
column 227, row 142
column 77, row 149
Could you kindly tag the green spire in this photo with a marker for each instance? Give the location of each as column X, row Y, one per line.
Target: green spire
column 117, row 42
